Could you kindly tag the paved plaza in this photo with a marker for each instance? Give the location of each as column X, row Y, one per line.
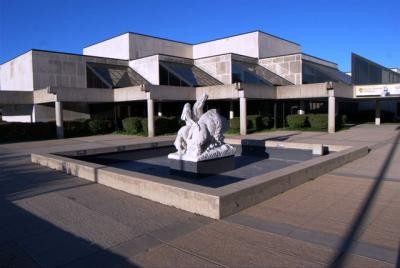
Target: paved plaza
column 49, row 219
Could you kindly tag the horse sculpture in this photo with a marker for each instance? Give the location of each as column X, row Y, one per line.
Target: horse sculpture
column 202, row 137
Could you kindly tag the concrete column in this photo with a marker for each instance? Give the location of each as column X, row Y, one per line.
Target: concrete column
column 150, row 117
column 159, row 109
column 331, row 111
column 59, row 120
column 231, row 113
column 302, row 109
column 377, row 112
column 243, row 116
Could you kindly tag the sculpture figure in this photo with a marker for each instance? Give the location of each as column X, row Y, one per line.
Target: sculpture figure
column 202, row 137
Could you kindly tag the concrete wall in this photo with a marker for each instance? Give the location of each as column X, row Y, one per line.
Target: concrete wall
column 289, row 67
column 17, row 113
column 271, row 46
column 220, row 67
column 116, row 47
column 63, row 70
column 71, row 111
column 244, row 44
column 17, row 73
column 142, row 46
column 147, row 67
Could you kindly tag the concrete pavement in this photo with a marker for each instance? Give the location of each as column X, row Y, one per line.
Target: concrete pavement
column 50, row 219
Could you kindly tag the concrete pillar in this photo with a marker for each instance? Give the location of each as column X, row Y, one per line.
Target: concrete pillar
column 377, row 112
column 150, row 117
column 159, row 109
column 59, row 120
column 302, row 109
column 331, row 111
column 243, row 116
column 231, row 113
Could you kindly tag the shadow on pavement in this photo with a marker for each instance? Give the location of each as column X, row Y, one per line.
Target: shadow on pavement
column 27, row 240
column 347, row 243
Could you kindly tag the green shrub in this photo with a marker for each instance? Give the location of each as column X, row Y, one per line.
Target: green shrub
column 254, row 122
column 16, row 131
column 132, row 125
column 296, row 121
column 318, row 121
column 76, row 128
column 340, row 120
column 97, row 126
column 162, row 125
column 234, row 123
column 144, row 127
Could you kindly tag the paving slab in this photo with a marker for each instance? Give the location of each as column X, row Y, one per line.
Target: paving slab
column 49, row 219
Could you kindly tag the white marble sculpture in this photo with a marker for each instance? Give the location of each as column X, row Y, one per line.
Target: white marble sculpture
column 202, row 138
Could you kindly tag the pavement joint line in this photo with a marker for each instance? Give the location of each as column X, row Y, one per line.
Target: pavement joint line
column 273, row 250
column 109, row 249
column 285, row 160
column 315, row 237
column 188, row 252
column 352, row 175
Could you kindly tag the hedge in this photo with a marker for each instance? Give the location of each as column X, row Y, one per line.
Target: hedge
column 295, row 121
column 254, row 122
column 314, row 121
column 98, row 126
column 132, row 125
column 16, row 131
column 318, row 121
column 162, row 125
column 234, row 123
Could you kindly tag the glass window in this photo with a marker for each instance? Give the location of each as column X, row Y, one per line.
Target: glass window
column 181, row 74
column 114, row 75
column 317, row 73
column 252, row 73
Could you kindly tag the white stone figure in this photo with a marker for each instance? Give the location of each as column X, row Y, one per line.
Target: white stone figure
column 202, row 138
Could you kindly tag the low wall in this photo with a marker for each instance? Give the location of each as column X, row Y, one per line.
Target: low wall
column 215, row 203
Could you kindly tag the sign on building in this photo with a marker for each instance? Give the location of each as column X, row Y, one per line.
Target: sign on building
column 378, row 90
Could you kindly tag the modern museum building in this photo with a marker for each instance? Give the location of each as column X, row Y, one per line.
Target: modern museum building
column 139, row 75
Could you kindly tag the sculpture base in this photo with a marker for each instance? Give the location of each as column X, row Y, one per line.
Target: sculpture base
column 202, row 168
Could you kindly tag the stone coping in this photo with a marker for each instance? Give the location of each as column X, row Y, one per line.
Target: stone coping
column 215, row 203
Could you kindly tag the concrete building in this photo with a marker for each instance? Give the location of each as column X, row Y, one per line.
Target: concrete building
column 135, row 74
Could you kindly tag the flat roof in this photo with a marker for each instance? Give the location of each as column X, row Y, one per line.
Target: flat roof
column 58, row 52
column 192, row 44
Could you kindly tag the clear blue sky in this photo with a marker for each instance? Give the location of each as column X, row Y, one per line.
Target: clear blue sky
column 327, row 29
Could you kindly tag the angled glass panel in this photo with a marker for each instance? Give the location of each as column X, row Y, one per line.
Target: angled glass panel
column 317, row 73
column 253, row 73
column 187, row 73
column 117, row 76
